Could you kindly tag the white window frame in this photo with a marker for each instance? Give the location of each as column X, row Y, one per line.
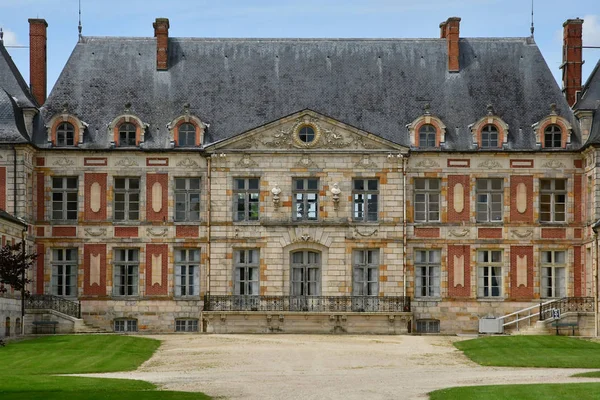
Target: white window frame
column 187, row 272
column 554, row 200
column 427, row 196
column 130, row 213
column 186, row 205
column 553, row 285
column 490, row 200
column 69, row 197
column 246, row 200
column 303, row 198
column 186, row 325
column 305, row 276
column 64, row 272
column 490, row 267
column 366, row 268
column 428, row 267
column 125, row 325
column 365, row 199
column 126, row 272
column 246, row 272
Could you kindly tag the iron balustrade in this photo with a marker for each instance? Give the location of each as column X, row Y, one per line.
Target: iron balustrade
column 308, row 303
column 56, row 303
column 565, row 305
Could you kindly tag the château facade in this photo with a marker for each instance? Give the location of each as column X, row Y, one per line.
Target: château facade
column 302, row 185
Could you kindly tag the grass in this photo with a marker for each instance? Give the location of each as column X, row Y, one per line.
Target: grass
column 579, row 391
column 27, row 369
column 593, row 374
column 532, row 351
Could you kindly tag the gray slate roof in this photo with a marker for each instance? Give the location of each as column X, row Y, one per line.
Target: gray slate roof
column 590, row 100
column 12, row 81
column 378, row 85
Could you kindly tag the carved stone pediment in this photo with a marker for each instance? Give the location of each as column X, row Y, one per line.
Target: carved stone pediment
column 306, row 130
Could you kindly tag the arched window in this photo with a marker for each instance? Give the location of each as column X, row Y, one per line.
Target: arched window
column 427, row 136
column 127, row 135
column 489, row 137
column 553, row 137
column 306, row 273
column 65, row 135
column 187, row 135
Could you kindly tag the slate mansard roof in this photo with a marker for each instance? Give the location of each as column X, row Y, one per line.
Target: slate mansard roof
column 377, row 85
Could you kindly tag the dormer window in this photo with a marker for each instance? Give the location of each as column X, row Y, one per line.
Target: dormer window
column 186, row 135
column 127, row 135
column 65, row 135
column 427, row 136
column 489, row 137
column 553, row 137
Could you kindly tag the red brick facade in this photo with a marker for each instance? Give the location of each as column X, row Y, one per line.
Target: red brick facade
column 577, row 271
column 90, row 179
column 455, row 289
column 39, row 273
column 40, row 201
column 3, row 188
column 578, row 198
column 153, row 288
column 182, row 231
column 489, row 233
column 64, row 231
column 427, row 232
column 162, row 213
column 126, row 231
column 521, row 291
column 37, row 59
column 554, row 233
column 463, row 215
column 93, row 288
column 515, row 215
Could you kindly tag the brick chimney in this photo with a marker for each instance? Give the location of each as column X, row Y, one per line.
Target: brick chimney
column 37, row 59
column 450, row 30
column 161, row 33
column 572, row 59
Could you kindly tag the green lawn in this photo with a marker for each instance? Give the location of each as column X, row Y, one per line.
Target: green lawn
column 593, row 374
column 532, row 351
column 26, row 369
column 579, row 391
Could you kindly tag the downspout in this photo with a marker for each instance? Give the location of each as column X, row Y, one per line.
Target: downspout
column 208, row 219
column 404, row 240
column 14, row 181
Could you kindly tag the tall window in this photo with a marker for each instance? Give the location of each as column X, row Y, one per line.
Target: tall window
column 427, row 272
column 127, row 135
column 489, row 137
column 553, row 274
column 366, row 273
column 306, row 199
column 126, row 266
column 187, row 135
column 64, row 198
column 187, row 272
column 489, row 273
column 366, row 194
column 187, row 199
column 427, row 136
column 427, row 200
column 127, row 199
column 246, row 194
column 64, row 272
column 489, row 199
column 247, row 264
column 65, row 135
column 553, row 200
column 306, row 273
column 553, row 137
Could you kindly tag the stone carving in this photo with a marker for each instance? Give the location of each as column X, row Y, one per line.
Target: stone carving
column 335, row 191
column 94, row 232
column 522, row 234
column 366, row 162
column 374, row 232
column 427, row 163
column 64, row 162
column 305, row 237
column 187, row 163
column 306, row 162
column 282, row 139
column 276, row 190
column 490, row 164
column 246, row 162
column 127, row 162
column 457, row 233
column 160, row 232
column 554, row 164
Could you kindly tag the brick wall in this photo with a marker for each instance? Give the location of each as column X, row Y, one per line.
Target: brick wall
column 578, row 198
column 39, row 278
column 99, row 179
column 157, row 286
column 162, row 184
column 459, row 212
column 459, row 253
column 3, row 188
column 94, row 288
column 40, row 196
column 182, row 231
column 577, row 271
column 525, row 254
column 527, row 215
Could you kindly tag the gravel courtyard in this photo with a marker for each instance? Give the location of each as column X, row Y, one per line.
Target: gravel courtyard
column 323, row 367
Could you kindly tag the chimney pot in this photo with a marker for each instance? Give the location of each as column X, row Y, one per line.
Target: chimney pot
column 161, row 33
column 572, row 59
column 38, row 59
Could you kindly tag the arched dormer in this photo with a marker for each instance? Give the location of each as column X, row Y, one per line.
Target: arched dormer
column 127, row 130
column 65, row 130
column 187, row 130
column 490, row 132
column 427, row 131
column 553, row 131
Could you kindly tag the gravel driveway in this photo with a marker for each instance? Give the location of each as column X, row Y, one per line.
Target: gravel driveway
column 323, row 367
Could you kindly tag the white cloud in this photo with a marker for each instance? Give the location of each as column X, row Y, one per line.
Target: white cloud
column 591, row 30
column 10, row 38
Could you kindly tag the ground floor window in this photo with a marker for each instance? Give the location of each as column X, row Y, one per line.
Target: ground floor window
column 126, row 325
column 366, row 273
column 64, row 272
column 427, row 273
column 428, row 326
column 187, row 272
column 126, row 272
column 489, row 270
column 306, row 273
column 553, row 274
column 186, row 325
column 247, row 264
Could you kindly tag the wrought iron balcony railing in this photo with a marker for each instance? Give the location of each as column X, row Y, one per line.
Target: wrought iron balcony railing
column 56, row 303
column 565, row 305
column 308, row 303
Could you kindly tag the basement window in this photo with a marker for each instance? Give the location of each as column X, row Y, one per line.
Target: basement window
column 428, row 326
column 126, row 325
column 186, row 325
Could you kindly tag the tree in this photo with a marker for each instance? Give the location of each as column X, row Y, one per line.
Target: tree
column 13, row 267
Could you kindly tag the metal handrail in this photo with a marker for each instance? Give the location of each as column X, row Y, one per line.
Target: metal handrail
column 56, row 303
column 527, row 317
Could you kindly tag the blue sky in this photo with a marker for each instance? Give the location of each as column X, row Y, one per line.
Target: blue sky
column 295, row 18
